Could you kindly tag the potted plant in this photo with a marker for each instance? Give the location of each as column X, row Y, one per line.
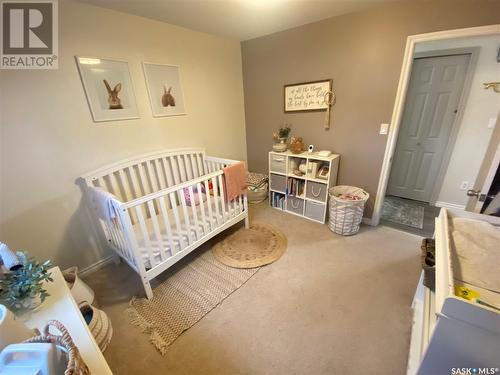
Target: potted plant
column 21, row 289
column 280, row 138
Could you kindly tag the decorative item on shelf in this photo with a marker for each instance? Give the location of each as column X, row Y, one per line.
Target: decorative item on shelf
column 21, row 289
column 296, row 145
column 324, row 153
column 280, row 138
column 311, row 149
column 312, row 168
column 296, row 172
column 323, row 172
column 303, row 167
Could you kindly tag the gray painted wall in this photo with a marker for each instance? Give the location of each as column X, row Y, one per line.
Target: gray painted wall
column 362, row 53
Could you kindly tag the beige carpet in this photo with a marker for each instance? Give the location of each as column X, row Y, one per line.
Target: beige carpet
column 185, row 297
column 330, row 305
column 257, row 246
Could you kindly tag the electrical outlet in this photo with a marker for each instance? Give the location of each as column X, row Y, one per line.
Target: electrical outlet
column 384, row 128
column 464, row 185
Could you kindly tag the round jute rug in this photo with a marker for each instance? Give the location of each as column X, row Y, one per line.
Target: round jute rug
column 249, row 248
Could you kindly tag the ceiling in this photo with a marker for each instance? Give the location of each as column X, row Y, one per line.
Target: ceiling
column 238, row 19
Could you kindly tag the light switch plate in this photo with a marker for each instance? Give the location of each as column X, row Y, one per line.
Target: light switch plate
column 384, row 128
column 491, row 123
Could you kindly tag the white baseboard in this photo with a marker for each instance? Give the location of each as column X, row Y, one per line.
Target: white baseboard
column 96, row 266
column 450, row 205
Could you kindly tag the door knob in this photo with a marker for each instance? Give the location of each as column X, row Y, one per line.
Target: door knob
column 473, row 193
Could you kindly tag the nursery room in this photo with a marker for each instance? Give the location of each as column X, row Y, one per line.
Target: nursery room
column 250, row 187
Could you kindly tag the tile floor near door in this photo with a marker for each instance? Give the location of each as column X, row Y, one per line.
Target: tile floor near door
column 330, row 305
column 430, row 214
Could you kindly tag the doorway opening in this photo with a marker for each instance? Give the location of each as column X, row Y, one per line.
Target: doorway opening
column 445, row 127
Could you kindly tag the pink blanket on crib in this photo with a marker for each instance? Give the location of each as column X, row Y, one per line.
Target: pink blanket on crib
column 235, row 180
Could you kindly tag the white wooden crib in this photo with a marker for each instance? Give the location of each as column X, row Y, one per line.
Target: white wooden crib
column 154, row 227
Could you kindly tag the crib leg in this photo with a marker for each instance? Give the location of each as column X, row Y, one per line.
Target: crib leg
column 245, row 206
column 147, row 288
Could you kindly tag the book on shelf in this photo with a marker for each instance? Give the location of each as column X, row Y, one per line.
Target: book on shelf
column 278, row 200
column 295, row 187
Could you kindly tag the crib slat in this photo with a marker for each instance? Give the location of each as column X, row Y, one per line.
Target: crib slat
column 101, row 183
column 186, row 216
column 182, row 168
column 240, row 204
column 145, row 235
column 202, row 209
column 222, row 198
column 168, row 171
column 216, row 204
column 136, row 192
column 127, row 192
column 199, row 166
column 160, row 174
column 156, row 230
column 195, row 213
column 175, row 168
column 144, row 181
column 188, row 167
column 152, row 176
column 113, row 185
column 177, row 220
column 194, row 167
column 209, row 204
column 168, row 228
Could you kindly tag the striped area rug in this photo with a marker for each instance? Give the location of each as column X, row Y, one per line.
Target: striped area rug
column 185, row 297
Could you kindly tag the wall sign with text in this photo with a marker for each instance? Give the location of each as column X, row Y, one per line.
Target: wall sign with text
column 307, row 96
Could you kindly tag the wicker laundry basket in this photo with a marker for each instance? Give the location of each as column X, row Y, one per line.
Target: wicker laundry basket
column 345, row 214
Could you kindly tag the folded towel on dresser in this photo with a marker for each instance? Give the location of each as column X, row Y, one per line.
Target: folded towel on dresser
column 102, row 201
column 235, row 180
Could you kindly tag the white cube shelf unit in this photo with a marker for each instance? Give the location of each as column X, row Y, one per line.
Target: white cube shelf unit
column 305, row 195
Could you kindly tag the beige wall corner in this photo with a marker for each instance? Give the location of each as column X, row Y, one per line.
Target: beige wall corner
column 362, row 52
column 48, row 137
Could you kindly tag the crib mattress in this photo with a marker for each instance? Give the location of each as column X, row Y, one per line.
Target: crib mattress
column 182, row 237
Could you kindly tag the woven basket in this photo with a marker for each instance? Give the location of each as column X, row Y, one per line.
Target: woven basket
column 346, row 215
column 76, row 365
column 428, row 262
column 100, row 326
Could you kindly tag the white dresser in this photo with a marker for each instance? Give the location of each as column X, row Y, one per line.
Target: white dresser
column 305, row 195
column 450, row 333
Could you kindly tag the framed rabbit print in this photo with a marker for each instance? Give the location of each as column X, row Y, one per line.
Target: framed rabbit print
column 108, row 88
column 164, row 89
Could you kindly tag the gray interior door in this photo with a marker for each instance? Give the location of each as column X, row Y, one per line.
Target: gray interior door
column 436, row 84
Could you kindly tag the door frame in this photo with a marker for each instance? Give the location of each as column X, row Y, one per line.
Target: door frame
column 399, row 103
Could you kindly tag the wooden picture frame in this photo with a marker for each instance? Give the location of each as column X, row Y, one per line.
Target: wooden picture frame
column 306, row 96
column 323, row 172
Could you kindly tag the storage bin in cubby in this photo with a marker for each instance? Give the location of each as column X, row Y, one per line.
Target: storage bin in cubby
column 295, row 205
column 315, row 211
column 277, row 163
column 316, row 191
column 278, row 182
